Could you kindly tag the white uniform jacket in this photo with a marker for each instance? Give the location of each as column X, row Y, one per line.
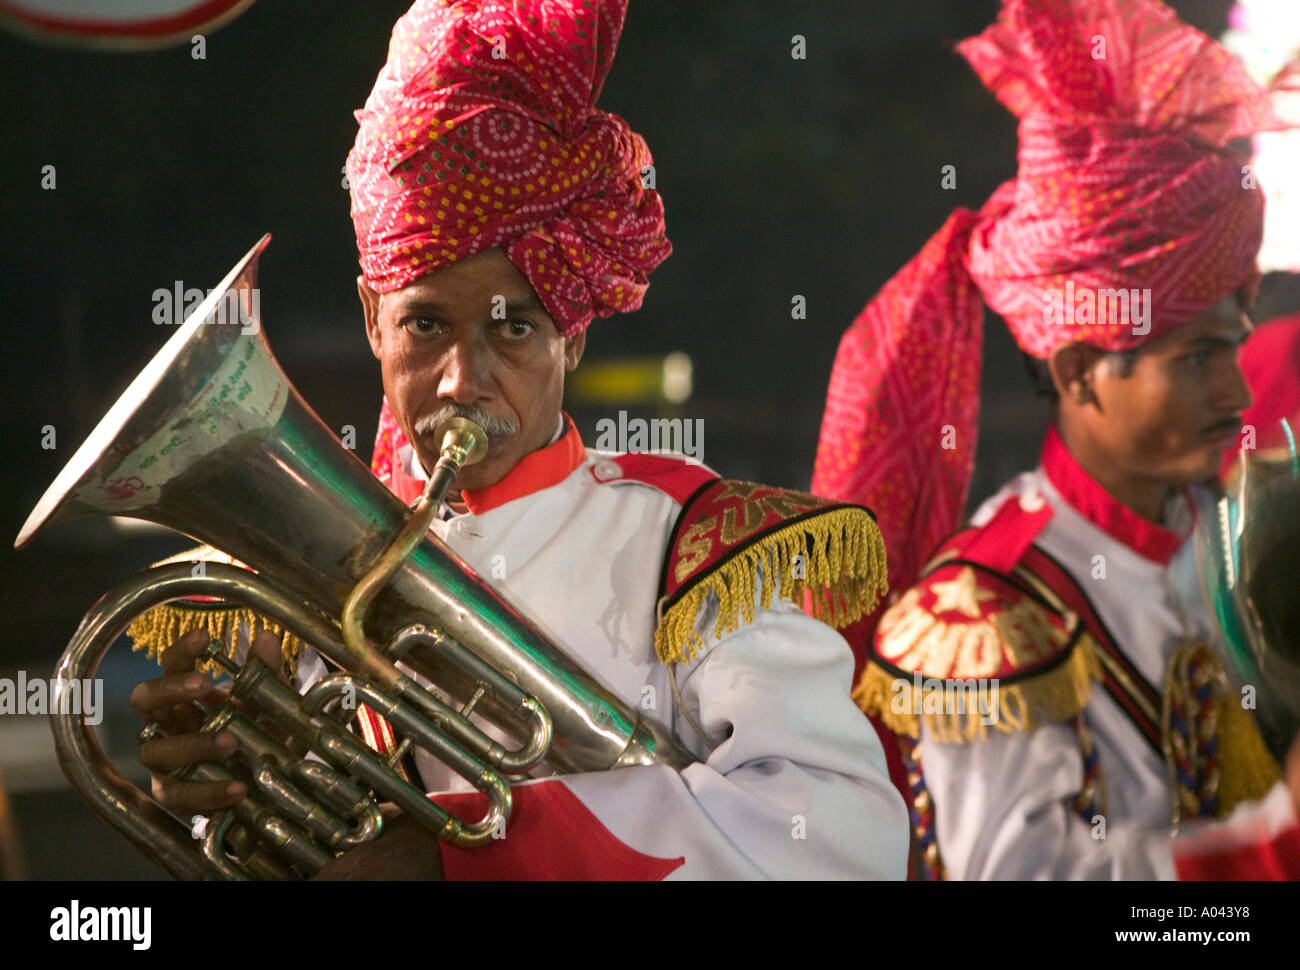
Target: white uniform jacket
column 1005, row 802
column 791, row 783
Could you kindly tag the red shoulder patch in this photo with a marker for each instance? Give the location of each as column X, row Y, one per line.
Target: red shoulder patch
column 1001, row 542
column 962, row 621
column 676, row 477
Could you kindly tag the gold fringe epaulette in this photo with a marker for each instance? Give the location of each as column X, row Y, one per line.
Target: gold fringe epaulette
column 157, row 629
column 963, row 709
column 827, row 555
column 963, row 651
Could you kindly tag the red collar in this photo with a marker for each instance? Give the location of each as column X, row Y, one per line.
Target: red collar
column 534, row 472
column 1099, row 507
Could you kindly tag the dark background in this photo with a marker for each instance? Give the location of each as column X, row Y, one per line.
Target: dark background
column 818, row 177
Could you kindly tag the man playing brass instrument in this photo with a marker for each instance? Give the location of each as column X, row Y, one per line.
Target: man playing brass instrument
column 497, row 213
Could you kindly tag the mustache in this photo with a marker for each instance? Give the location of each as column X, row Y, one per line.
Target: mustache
column 496, row 427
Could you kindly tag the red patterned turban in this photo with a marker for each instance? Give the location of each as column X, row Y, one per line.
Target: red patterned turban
column 1124, row 181
column 482, row 131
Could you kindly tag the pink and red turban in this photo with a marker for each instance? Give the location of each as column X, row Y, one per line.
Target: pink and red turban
column 1124, row 181
column 482, row 131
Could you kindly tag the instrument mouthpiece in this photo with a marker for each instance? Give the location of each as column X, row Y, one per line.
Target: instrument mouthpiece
column 463, row 441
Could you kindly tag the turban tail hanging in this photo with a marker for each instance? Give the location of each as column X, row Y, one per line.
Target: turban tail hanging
column 482, row 131
column 1124, row 182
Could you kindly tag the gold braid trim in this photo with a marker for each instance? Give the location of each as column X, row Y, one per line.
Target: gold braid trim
column 1055, row 695
column 844, row 571
column 1241, row 768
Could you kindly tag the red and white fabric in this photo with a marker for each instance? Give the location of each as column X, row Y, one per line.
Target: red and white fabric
column 1004, row 806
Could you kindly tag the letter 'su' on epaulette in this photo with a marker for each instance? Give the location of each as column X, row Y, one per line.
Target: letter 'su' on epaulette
column 825, row 555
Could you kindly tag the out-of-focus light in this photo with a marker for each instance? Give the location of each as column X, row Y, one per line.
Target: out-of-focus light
column 632, row 380
column 678, row 377
column 1265, row 36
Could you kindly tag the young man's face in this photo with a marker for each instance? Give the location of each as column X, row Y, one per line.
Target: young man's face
column 1178, row 410
column 443, row 353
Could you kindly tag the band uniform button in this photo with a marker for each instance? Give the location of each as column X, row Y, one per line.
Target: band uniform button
column 1031, row 501
column 606, row 471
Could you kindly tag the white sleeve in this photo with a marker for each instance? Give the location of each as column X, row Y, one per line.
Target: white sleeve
column 797, row 788
column 1004, row 809
column 310, row 668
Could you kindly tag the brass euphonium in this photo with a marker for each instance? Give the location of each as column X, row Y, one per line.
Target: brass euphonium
column 212, row 440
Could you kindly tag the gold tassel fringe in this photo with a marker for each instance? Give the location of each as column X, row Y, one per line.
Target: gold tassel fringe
column 1054, row 696
column 844, row 571
column 1247, row 770
column 160, row 627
